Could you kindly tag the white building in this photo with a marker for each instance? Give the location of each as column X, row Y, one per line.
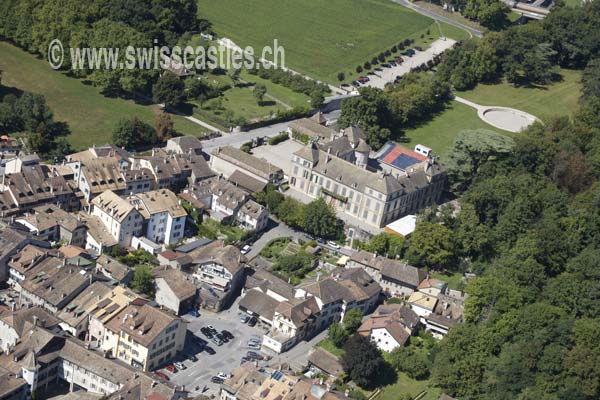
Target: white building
column 119, row 217
column 164, row 217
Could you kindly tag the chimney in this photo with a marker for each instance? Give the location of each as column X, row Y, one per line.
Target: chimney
column 35, row 320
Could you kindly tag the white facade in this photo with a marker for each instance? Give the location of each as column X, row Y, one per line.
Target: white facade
column 123, row 230
column 383, row 339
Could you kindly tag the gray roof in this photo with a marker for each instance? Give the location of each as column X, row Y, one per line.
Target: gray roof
column 255, row 165
column 246, row 182
column 259, row 303
column 186, row 248
column 309, row 127
column 390, row 269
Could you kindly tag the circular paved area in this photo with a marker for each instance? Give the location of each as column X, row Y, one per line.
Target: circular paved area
column 505, row 118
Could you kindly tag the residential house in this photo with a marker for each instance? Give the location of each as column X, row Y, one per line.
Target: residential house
column 98, row 175
column 220, row 271
column 298, row 313
column 12, row 240
column 103, row 310
column 390, row 326
column 226, row 160
column 252, row 216
column 113, row 269
column 36, row 185
column 53, row 224
column 175, row 290
column 119, row 216
column 43, row 360
column 310, row 128
column 98, row 237
column 395, row 277
column 14, row 324
column 52, row 284
column 74, row 315
column 325, row 362
column 21, row 262
column 143, row 336
column 447, row 313
column 184, row 145
column 163, row 215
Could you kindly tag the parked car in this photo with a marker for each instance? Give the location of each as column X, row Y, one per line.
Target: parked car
column 333, row 244
column 217, row 341
column 392, row 63
column 171, row 368
column 254, row 346
column 210, row 350
column 216, row 379
column 212, row 329
column 179, row 365
column 419, row 48
column 223, row 375
column 244, row 359
column 355, row 83
column 227, row 334
column 221, row 338
column 320, row 241
column 192, row 358
column 244, row 318
column 194, row 313
column 161, row 375
column 255, row 355
column 246, row 249
column 385, row 65
column 252, row 321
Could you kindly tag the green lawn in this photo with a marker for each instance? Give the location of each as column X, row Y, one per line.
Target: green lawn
column 281, row 93
column 406, row 385
column 90, row 115
column 559, row 98
column 320, row 37
column 454, row 280
column 439, row 133
column 326, row 344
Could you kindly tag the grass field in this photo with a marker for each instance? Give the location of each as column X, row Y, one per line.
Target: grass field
column 559, row 98
column 440, row 131
column 406, row 385
column 320, row 37
column 90, row 115
column 328, row 345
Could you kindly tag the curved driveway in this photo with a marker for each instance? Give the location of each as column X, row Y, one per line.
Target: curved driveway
column 431, row 14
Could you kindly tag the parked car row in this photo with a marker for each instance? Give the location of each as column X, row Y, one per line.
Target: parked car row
column 249, row 320
column 215, row 336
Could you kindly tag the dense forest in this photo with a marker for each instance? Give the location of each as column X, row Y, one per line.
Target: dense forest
column 33, row 24
column 530, row 228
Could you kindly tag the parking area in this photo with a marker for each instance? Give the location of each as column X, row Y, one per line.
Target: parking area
column 386, row 75
column 196, row 377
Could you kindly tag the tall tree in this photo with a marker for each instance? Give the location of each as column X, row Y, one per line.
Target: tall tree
column 362, row 360
column 432, row 244
column 164, row 127
column 259, row 92
column 320, row 219
column 130, row 133
column 169, row 90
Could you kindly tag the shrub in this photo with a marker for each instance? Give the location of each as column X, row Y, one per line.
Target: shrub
column 359, row 69
column 374, row 61
column 367, row 65
column 341, row 76
column 388, row 53
column 394, row 49
column 282, row 137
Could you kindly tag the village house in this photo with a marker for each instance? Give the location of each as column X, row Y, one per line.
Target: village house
column 395, row 277
column 226, row 160
column 113, row 269
column 12, row 241
column 98, row 238
column 184, row 145
column 53, row 224
column 74, row 316
column 119, row 216
column 390, row 326
column 252, row 216
column 15, row 323
column 220, row 271
column 143, row 336
column 175, row 290
column 163, row 215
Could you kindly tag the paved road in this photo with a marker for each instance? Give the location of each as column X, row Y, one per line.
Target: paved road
column 431, row 14
column 239, row 138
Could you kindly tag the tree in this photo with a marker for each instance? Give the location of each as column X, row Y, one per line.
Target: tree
column 359, row 69
column 386, row 244
column 471, row 149
column 590, row 80
column 340, row 76
column 320, row 220
column 362, row 360
column 432, row 243
column 317, row 99
column 143, row 280
column 133, row 132
column 164, row 127
column 337, row 334
column 259, row 92
column 234, row 75
column 353, row 320
column 169, row 90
